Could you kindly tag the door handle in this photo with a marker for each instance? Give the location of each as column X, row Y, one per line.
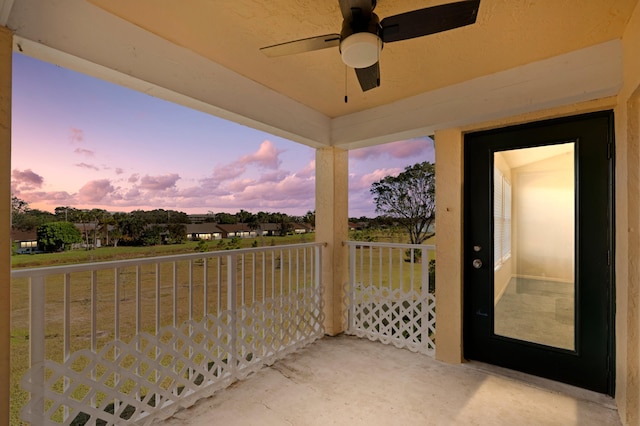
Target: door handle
column 477, row 263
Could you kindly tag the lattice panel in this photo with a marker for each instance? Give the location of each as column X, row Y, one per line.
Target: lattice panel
column 152, row 376
column 404, row 319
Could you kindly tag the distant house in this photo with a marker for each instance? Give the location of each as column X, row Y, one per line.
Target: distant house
column 301, row 228
column 275, row 229
column 353, row 226
column 204, row 231
column 240, row 230
column 26, row 241
column 215, row 231
column 270, row 229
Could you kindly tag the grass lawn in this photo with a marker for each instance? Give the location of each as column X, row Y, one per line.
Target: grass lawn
column 104, row 254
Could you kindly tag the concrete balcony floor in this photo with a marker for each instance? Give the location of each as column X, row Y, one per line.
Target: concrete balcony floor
column 345, row 380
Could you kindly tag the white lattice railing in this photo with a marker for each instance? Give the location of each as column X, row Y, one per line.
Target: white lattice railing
column 135, row 340
column 388, row 296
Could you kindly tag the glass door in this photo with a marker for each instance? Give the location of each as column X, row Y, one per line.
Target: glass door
column 538, row 286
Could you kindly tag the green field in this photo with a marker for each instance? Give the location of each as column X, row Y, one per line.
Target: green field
column 104, row 254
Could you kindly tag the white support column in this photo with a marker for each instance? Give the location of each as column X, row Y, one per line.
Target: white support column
column 332, row 190
column 449, row 178
column 6, row 38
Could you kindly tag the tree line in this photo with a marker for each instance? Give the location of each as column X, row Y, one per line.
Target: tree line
column 138, row 227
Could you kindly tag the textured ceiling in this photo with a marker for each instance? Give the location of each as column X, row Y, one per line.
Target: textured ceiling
column 508, row 33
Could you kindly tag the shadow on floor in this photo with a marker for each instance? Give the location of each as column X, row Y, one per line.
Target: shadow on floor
column 345, row 380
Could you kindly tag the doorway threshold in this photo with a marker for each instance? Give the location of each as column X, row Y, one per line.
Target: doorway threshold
column 545, row 384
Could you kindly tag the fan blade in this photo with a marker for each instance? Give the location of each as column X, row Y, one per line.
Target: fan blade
column 304, row 45
column 430, row 20
column 363, row 7
column 369, row 77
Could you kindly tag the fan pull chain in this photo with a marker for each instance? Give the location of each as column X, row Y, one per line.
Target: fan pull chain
column 378, row 62
column 346, row 98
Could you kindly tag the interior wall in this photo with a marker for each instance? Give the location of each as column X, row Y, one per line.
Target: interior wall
column 543, row 217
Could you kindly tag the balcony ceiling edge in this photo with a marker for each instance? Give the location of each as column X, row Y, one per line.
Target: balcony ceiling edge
column 579, row 76
column 77, row 35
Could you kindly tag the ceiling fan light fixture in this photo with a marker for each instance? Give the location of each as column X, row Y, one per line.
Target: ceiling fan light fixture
column 360, row 50
column 363, row 34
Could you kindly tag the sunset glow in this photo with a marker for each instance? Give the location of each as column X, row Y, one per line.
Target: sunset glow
column 82, row 142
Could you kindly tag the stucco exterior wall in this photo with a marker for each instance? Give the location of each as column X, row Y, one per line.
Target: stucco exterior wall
column 6, row 38
column 449, row 179
column 628, row 228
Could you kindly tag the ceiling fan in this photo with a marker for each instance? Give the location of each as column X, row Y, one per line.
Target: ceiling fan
column 363, row 33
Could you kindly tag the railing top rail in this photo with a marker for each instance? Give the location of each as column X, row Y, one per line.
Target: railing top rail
column 393, row 245
column 83, row 267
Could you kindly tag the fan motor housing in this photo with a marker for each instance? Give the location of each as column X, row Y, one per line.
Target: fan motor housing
column 371, row 25
column 360, row 43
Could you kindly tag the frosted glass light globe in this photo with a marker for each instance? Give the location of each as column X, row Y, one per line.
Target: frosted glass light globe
column 360, row 50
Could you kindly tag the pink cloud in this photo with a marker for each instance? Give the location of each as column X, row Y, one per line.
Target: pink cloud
column 294, row 187
column 43, row 200
column 239, row 185
column 85, row 152
column 273, row 190
column 132, row 194
column 266, row 156
column 95, row 191
column 254, row 181
column 26, row 180
column 364, row 182
column 76, row 135
column 207, row 188
column 159, row 183
column 87, row 166
column 281, row 192
column 275, row 176
column 308, row 171
column 228, row 171
column 401, row 149
column 192, row 192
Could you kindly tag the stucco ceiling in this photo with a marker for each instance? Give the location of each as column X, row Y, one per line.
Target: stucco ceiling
column 520, row 56
column 508, row 33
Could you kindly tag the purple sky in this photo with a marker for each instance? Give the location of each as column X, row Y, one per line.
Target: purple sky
column 82, row 142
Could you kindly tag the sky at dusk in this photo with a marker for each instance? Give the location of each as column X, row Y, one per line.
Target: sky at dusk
column 82, row 142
